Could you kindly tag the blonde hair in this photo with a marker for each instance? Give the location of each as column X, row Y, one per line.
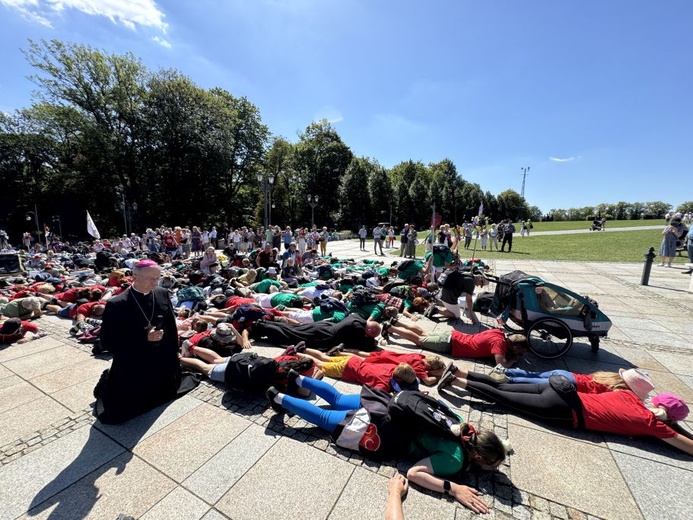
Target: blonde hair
column 248, row 277
column 611, row 379
column 46, row 288
column 434, row 362
column 405, row 373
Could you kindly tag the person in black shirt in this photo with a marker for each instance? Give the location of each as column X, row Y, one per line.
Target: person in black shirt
column 509, row 229
column 454, row 284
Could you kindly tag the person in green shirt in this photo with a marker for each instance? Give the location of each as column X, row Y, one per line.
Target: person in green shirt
column 438, row 457
column 413, row 269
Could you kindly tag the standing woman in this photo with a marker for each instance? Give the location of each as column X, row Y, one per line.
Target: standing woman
column 302, row 232
column 669, row 236
column 209, row 258
column 324, row 235
column 391, row 237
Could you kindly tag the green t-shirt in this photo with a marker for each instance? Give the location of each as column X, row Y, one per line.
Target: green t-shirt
column 286, row 299
column 412, row 270
column 14, row 309
column 440, row 259
column 264, row 285
column 370, row 310
column 335, row 316
column 447, row 457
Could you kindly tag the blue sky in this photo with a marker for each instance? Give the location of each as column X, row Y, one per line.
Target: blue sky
column 595, row 96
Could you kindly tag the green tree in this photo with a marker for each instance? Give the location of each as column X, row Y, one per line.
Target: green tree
column 511, row 205
column 355, row 203
column 382, row 201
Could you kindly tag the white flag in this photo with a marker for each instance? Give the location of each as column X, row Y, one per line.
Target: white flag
column 481, row 209
column 91, row 227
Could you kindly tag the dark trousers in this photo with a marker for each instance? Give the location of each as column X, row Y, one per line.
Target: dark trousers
column 536, row 400
column 507, row 239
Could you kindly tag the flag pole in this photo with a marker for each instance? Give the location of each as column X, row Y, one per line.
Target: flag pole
column 476, row 231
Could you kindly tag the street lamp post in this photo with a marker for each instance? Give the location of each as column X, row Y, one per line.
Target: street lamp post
column 313, row 201
column 56, row 220
column 36, row 220
column 266, row 182
column 525, row 171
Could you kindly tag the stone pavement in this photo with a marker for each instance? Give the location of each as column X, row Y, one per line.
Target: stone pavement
column 214, row 454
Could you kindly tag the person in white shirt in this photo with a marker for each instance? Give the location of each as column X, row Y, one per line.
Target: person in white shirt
column 213, row 237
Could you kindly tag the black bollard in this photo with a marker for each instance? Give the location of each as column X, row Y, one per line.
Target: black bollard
column 649, row 258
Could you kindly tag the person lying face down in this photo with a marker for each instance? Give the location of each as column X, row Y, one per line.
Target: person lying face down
column 437, row 457
column 627, row 412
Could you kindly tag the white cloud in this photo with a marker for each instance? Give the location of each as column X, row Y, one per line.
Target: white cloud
column 330, row 113
column 130, row 13
column 162, row 42
column 562, row 159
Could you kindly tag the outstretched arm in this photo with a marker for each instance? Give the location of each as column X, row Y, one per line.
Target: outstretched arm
column 396, row 490
column 683, row 443
column 422, row 474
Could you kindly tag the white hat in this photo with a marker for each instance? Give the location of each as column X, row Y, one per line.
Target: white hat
column 272, row 270
column 638, row 381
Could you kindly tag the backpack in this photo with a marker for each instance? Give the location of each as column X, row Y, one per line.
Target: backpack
column 403, row 266
column 325, row 272
column 415, row 413
column 190, row 294
column 248, row 312
column 249, row 372
column 329, row 304
column 441, row 250
column 361, row 296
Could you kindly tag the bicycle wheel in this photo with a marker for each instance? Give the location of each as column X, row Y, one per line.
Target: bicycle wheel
column 549, row 338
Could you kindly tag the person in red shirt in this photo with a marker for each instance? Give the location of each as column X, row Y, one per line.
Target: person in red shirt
column 18, row 331
column 89, row 310
column 623, row 412
column 596, row 383
column 505, row 348
column 377, row 369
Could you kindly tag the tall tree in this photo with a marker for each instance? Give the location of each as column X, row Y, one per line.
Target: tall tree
column 355, row 203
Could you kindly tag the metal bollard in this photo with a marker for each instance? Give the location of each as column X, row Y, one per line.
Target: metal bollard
column 649, row 258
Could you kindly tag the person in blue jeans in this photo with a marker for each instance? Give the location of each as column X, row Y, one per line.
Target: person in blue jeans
column 438, row 458
column 518, row 375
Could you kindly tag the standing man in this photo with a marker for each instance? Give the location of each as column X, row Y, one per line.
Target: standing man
column 410, row 251
column 213, row 237
column 363, row 233
column 455, row 284
column 403, row 239
column 139, row 328
column 508, row 236
column 378, row 240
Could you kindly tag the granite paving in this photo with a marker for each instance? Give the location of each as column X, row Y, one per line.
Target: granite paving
column 217, row 454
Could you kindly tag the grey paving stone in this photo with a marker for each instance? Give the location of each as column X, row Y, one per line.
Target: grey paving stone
column 656, row 337
column 572, row 474
column 639, row 357
column 275, row 488
column 66, row 376
column 5, row 372
column 179, row 504
column 27, row 349
column 76, row 397
column 187, row 443
column 658, row 487
column 213, row 514
column 667, row 382
column 135, row 430
column 29, row 417
column 680, row 364
column 651, row 449
column 222, row 471
column 14, row 391
column 125, row 485
column 37, row 477
column 40, row 363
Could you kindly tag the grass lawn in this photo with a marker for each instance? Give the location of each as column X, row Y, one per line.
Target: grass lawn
column 630, row 246
column 583, row 224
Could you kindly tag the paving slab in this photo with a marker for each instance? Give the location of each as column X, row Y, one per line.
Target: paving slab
column 275, row 488
column 87, row 370
column 76, row 397
column 573, row 474
column 29, row 417
column 135, row 430
column 179, row 504
column 187, row 443
column 5, row 372
column 124, row 485
column 15, row 391
column 10, row 352
column 214, row 478
column 365, row 496
column 676, row 363
column 39, row 476
column 40, row 363
column 657, row 487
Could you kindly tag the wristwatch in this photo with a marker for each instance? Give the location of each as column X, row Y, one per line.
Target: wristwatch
column 446, row 487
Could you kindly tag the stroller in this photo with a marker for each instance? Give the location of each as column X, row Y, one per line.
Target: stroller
column 549, row 315
column 596, row 225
